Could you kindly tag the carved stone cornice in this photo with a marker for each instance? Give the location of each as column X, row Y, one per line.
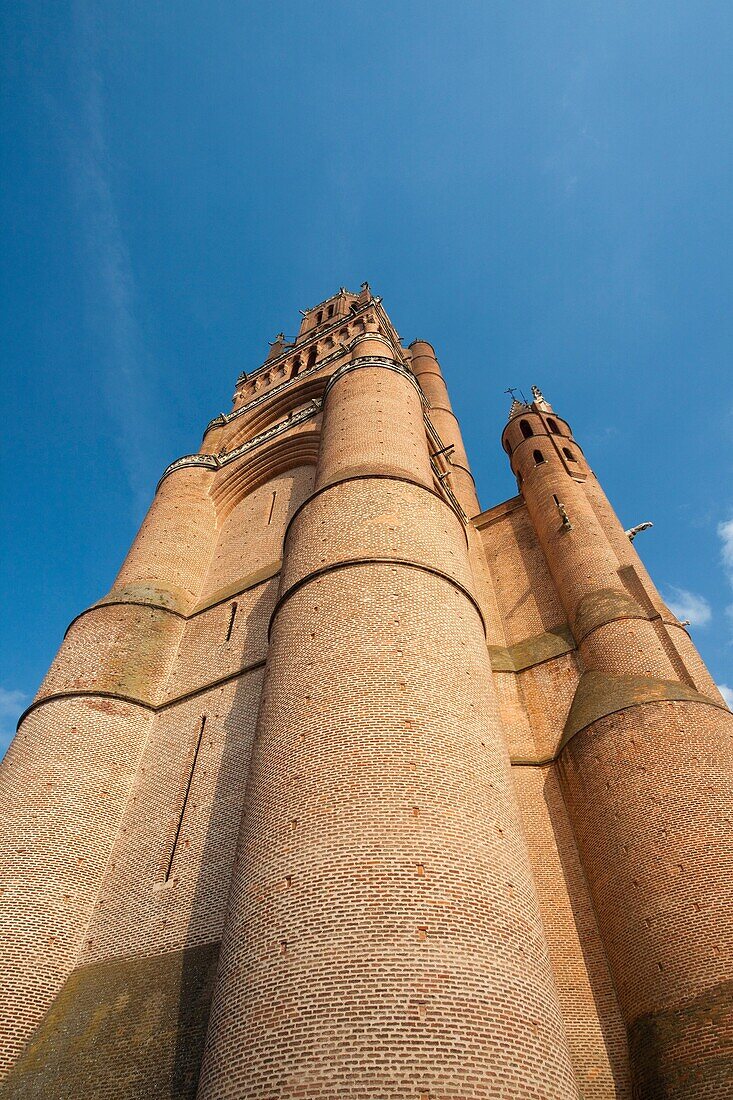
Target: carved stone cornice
column 215, row 462
column 226, row 418
column 295, row 349
column 374, row 361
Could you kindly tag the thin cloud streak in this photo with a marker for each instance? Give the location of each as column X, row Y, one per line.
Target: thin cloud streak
column 725, row 534
column 12, row 703
column 689, row 606
column 727, row 693
column 124, row 362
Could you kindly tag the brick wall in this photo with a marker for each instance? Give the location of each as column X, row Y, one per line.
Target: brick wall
column 383, row 916
column 401, row 912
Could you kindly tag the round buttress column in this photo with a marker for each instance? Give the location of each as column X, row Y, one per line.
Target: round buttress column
column 383, row 938
column 647, row 773
column 427, row 370
column 66, row 776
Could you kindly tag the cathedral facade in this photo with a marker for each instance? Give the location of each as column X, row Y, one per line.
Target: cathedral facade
column 349, row 788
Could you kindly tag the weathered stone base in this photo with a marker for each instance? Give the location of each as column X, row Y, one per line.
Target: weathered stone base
column 122, row 1028
column 686, row 1052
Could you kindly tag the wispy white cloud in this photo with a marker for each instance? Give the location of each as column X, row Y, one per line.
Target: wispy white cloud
column 12, row 703
column 689, row 606
column 725, row 534
column 124, row 364
column 727, row 693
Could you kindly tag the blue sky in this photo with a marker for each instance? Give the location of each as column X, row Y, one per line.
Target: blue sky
column 540, row 189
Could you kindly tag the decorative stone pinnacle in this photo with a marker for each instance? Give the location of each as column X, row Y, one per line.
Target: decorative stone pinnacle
column 539, row 399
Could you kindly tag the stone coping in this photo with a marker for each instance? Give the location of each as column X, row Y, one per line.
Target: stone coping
column 532, row 651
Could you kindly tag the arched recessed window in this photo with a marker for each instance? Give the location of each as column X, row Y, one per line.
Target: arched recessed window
column 526, row 428
column 569, row 454
column 330, row 311
column 312, row 356
column 539, row 458
column 552, row 425
column 319, row 317
column 297, row 364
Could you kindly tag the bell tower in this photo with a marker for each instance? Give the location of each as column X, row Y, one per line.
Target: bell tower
column 348, row 787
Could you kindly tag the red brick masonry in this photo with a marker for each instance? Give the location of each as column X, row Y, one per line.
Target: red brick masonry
column 349, row 789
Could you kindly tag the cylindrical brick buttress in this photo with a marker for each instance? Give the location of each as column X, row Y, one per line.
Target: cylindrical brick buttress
column 427, row 370
column 65, row 779
column 647, row 772
column 383, row 938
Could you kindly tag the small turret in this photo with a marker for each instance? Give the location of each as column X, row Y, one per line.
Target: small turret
column 534, row 435
column 643, row 714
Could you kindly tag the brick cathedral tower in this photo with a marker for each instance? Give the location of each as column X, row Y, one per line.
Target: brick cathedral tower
column 350, row 789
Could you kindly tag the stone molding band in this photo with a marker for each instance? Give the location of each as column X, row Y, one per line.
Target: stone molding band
column 349, row 563
column 443, row 409
column 433, row 431
column 373, row 361
column 144, row 704
column 371, row 477
column 215, row 462
column 604, row 606
column 427, row 373
column 308, row 341
column 640, row 617
column 125, row 603
column 529, row 652
column 267, row 573
column 290, row 383
column 600, row 694
column 452, row 498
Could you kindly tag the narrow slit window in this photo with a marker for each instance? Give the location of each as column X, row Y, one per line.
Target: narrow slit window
column 186, row 793
column 526, row 428
column 539, row 458
column 272, row 509
column 230, row 625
